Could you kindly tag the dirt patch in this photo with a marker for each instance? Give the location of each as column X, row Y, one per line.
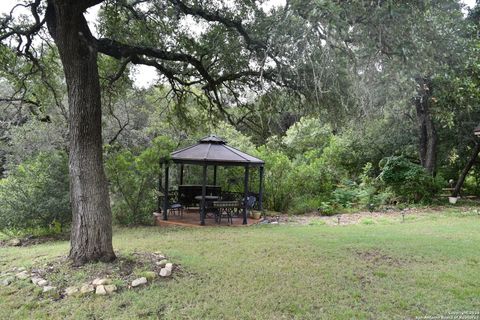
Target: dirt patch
column 375, row 257
column 358, row 217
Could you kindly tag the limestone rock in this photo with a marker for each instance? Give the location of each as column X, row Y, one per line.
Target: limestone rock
column 100, row 281
column 71, row 291
column 139, row 282
column 42, row 283
column 101, row 290
column 35, row 280
column 15, row 242
column 6, row 281
column 165, row 272
column 159, row 255
column 87, row 288
column 169, row 266
column 22, row 275
column 161, row 263
column 110, row 288
column 48, row 288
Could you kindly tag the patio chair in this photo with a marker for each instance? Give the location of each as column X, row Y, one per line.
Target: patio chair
column 250, row 204
column 224, row 209
column 176, row 209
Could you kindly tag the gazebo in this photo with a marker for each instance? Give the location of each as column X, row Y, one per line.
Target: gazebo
column 213, row 151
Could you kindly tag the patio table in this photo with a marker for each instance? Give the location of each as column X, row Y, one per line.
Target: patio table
column 207, row 198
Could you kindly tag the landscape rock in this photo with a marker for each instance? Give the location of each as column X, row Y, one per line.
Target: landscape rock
column 35, row 280
column 169, row 266
column 87, row 288
column 100, row 281
column 42, row 283
column 15, row 242
column 71, row 291
column 162, row 263
column 139, row 282
column 48, row 288
column 101, row 290
column 110, row 288
column 165, row 272
column 6, row 281
column 159, row 255
column 22, row 275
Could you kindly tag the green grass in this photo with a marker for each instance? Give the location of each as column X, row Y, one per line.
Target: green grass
column 428, row 266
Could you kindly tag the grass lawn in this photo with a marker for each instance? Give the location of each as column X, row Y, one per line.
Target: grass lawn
column 380, row 269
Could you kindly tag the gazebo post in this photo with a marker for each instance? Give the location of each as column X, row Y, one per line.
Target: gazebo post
column 181, row 174
column 245, row 190
column 260, row 192
column 204, row 192
column 159, row 197
column 215, row 175
column 165, row 194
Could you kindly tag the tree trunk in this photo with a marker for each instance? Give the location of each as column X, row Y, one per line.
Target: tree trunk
column 427, row 146
column 466, row 169
column 91, row 237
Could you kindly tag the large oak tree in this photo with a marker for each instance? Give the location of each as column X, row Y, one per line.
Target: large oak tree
column 138, row 32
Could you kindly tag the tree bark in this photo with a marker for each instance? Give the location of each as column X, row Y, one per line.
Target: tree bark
column 466, row 169
column 91, row 237
column 427, row 145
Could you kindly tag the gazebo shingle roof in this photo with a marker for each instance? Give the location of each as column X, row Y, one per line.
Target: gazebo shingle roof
column 214, row 150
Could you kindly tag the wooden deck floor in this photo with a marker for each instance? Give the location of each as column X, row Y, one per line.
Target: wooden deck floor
column 191, row 218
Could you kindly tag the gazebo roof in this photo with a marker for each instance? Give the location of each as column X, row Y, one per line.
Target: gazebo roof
column 214, row 150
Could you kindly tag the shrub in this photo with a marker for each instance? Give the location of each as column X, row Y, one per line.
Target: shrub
column 35, row 194
column 306, row 204
column 278, row 184
column 408, row 180
column 133, row 179
column 347, row 195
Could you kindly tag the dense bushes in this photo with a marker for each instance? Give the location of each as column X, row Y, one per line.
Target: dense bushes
column 308, row 169
column 133, row 180
column 330, row 178
column 35, row 195
column 408, row 180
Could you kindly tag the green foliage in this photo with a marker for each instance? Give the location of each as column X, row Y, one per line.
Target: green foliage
column 233, row 137
column 133, row 178
column 302, row 204
column 408, row 180
column 346, row 195
column 278, row 179
column 305, row 135
column 36, row 194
